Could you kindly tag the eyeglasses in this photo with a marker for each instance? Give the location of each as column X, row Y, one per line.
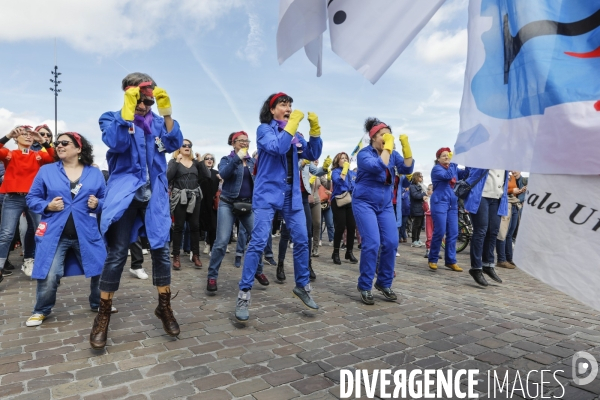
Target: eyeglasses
column 242, row 141
column 209, row 159
column 26, row 134
column 147, row 102
column 63, row 143
column 187, row 146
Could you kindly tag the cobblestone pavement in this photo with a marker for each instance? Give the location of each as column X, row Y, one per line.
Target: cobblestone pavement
column 441, row 320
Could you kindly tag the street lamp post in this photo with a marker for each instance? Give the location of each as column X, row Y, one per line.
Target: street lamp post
column 56, row 82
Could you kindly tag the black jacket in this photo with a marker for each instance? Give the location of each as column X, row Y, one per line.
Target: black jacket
column 416, row 200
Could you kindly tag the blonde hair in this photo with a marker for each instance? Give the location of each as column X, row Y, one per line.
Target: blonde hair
column 176, row 152
column 208, row 154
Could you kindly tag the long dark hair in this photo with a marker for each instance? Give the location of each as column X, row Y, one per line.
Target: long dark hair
column 265, row 112
column 87, row 150
column 336, row 160
column 371, row 122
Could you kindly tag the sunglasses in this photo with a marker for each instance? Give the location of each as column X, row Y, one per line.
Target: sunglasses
column 187, row 146
column 46, row 134
column 63, row 143
column 209, row 159
column 147, row 102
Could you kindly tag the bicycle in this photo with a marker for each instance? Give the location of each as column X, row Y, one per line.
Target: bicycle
column 465, row 230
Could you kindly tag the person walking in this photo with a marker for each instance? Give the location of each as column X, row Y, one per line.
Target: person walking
column 341, row 206
column 417, row 213
column 66, row 194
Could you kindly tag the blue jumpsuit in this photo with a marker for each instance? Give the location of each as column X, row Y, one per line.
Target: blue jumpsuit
column 374, row 214
column 273, row 192
column 444, row 211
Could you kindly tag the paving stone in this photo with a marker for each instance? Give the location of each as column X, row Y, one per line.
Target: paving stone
column 175, row 391
column 311, row 385
column 492, row 357
column 117, row 393
column 277, row 393
column 191, row 373
column 248, row 372
column 75, row 388
column 282, row 377
column 213, row 381
column 248, row 387
column 120, row 378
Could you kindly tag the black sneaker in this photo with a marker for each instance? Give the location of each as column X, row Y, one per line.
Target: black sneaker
column 491, row 272
column 7, row 273
column 270, row 260
column 387, row 292
column 426, row 254
column 366, row 296
column 8, row 265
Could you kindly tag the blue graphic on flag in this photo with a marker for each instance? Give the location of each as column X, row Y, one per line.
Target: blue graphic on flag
column 538, row 54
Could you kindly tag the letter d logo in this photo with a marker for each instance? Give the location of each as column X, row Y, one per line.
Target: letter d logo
column 582, row 363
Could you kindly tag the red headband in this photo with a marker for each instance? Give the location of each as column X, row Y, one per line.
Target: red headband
column 376, row 129
column 236, row 135
column 75, row 135
column 275, row 97
column 37, row 128
column 440, row 151
column 145, row 88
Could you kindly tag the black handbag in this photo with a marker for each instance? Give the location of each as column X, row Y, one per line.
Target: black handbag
column 462, row 188
column 241, row 208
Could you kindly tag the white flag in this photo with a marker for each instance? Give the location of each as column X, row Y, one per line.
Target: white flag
column 559, row 234
column 301, row 24
column 370, row 35
column 532, row 91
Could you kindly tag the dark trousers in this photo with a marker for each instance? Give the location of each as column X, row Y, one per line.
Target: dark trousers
column 137, row 257
column 181, row 216
column 486, row 224
column 417, row 225
column 343, row 219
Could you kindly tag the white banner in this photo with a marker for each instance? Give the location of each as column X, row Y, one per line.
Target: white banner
column 531, row 94
column 559, row 235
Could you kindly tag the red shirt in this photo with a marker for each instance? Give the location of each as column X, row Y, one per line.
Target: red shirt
column 22, row 168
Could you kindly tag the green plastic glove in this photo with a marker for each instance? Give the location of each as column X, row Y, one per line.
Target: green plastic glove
column 388, row 142
column 312, row 179
column 292, row 126
column 163, row 102
column 345, row 168
column 406, row 151
column 130, row 98
column 313, row 120
column 327, row 163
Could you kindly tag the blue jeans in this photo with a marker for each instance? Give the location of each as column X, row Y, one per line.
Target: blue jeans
column 263, row 219
column 242, row 241
column 327, row 215
column 402, row 232
column 46, row 288
column 486, row 224
column 504, row 248
column 14, row 205
column 118, row 240
column 225, row 220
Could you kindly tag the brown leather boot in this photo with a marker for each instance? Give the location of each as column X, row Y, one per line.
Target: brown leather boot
column 176, row 262
column 196, row 261
column 165, row 313
column 99, row 333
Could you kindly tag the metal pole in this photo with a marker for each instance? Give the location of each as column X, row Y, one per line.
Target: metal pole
column 55, row 73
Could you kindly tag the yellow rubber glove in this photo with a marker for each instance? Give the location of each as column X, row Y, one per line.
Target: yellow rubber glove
column 388, row 142
column 450, row 154
column 312, row 179
column 163, row 102
column 409, row 177
column 313, row 120
column 305, row 162
column 345, row 168
column 406, row 151
column 292, row 126
column 327, row 163
column 242, row 152
column 130, row 98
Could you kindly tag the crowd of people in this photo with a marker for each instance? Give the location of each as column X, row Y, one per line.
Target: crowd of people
column 157, row 193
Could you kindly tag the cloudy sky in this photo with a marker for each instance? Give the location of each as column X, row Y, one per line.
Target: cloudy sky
column 217, row 60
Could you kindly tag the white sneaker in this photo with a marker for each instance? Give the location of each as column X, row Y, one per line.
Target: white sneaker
column 227, row 250
column 128, row 253
column 27, row 267
column 139, row 273
column 320, row 243
column 191, row 256
column 291, row 245
column 416, row 244
column 35, row 320
column 144, row 251
column 397, row 254
column 206, row 248
column 331, row 243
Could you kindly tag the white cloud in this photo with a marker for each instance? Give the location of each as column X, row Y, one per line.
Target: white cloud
column 424, row 104
column 442, row 46
column 9, row 120
column 448, row 12
column 255, row 45
column 109, row 26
